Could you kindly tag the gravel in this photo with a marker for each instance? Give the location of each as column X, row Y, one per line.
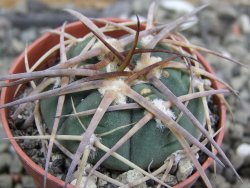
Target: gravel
column 6, row 181
column 226, row 30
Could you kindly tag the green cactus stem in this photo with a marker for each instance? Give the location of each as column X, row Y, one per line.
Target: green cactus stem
column 150, row 145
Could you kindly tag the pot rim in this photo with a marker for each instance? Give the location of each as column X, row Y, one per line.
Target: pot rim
column 35, row 167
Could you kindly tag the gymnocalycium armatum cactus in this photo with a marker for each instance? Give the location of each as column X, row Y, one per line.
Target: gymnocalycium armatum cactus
column 139, row 97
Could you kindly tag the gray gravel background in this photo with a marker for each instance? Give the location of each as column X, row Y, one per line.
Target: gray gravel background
column 223, row 27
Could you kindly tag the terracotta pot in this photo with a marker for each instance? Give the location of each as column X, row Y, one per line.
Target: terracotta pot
column 39, row 47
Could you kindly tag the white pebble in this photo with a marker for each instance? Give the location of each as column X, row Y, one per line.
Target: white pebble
column 177, row 6
column 130, row 176
column 19, row 116
column 243, row 150
column 181, row 7
column 90, row 184
column 185, row 169
column 245, row 23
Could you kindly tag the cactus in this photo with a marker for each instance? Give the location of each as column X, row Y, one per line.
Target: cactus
column 139, row 99
column 151, row 140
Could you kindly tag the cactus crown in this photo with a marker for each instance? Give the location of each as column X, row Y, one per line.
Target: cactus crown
column 140, row 97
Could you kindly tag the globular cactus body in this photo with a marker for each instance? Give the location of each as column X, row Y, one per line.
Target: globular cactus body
column 152, row 144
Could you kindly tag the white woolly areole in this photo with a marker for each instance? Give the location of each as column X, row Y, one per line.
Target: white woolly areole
column 92, row 139
column 108, row 67
column 137, row 81
column 206, row 83
column 150, row 61
column 127, row 69
column 112, row 41
column 115, row 86
column 111, row 67
column 57, row 82
column 197, row 82
column 147, row 39
column 159, row 103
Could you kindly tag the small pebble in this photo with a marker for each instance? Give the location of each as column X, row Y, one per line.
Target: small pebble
column 210, row 23
column 244, row 184
column 3, row 147
column 227, row 13
column 243, row 150
column 237, row 161
column 4, row 23
column 18, row 185
column 219, row 168
column 16, row 166
column 230, row 175
column 231, row 39
column 27, row 182
column 185, row 168
column 17, row 45
column 140, row 6
column 102, row 182
column 5, row 161
column 220, row 182
column 241, row 116
column 5, row 181
column 244, row 22
column 171, row 180
column 245, row 171
column 177, row 6
column 120, row 8
column 91, row 182
column 130, row 176
column 238, row 82
column 19, row 116
column 171, row 9
column 29, row 144
column 244, row 95
column 236, row 131
column 28, row 35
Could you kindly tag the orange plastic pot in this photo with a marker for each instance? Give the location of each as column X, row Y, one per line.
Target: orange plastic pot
column 36, row 50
